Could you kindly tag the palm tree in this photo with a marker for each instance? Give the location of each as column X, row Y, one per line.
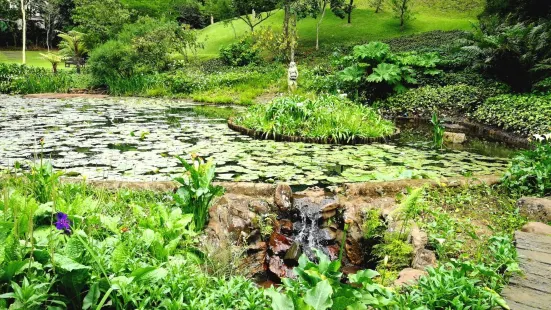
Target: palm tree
column 72, row 46
column 54, row 59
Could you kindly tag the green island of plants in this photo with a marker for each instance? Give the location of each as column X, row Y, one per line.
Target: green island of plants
column 327, row 118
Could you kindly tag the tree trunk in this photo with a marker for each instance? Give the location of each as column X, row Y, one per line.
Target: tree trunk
column 350, row 11
column 378, row 6
column 212, row 20
column 293, row 36
column 54, row 68
column 24, row 26
column 318, row 26
column 286, row 20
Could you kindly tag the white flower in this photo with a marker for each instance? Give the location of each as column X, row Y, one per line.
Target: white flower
column 539, row 138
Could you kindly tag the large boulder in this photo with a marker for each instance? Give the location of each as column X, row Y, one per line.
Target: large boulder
column 454, row 137
column 537, row 228
column 409, row 276
column 424, row 258
column 535, row 209
column 283, row 197
column 419, row 239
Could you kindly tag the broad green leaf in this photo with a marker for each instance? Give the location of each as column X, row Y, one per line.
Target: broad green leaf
column 67, row 264
column 279, row 301
column 319, row 297
column 92, row 297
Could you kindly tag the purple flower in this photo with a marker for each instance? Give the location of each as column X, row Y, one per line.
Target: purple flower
column 63, row 222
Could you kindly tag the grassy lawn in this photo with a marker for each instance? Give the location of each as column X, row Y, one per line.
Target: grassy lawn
column 366, row 26
column 33, row 58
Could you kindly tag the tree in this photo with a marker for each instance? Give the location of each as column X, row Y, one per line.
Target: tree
column 377, row 4
column 349, row 8
column 51, row 14
column 317, row 9
column 100, row 19
column 53, row 59
column 73, row 46
column 402, row 10
column 254, row 12
column 24, row 29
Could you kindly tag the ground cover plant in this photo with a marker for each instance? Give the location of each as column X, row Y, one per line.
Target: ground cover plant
column 329, row 118
column 68, row 246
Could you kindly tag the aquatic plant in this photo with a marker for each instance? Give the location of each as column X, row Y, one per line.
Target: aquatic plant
column 196, row 193
column 328, row 117
column 437, row 131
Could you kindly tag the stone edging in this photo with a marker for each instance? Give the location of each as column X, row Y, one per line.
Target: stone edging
column 369, row 189
column 279, row 137
column 482, row 130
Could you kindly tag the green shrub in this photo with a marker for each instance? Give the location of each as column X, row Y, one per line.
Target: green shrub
column 326, row 117
column 114, row 59
column 373, row 70
column 523, row 114
column 456, row 99
column 20, row 79
column 240, row 54
column 530, row 172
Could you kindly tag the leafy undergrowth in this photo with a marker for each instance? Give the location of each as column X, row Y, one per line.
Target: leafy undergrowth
column 68, row 246
column 327, row 118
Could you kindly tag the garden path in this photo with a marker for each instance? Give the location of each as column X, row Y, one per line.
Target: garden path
column 532, row 289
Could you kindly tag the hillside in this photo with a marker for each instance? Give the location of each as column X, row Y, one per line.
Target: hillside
column 366, row 26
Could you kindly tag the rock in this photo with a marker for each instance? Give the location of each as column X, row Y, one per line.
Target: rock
column 419, row 239
column 286, row 227
column 537, row 228
column 260, row 206
column 330, row 207
column 353, row 251
column 328, row 234
column 409, row 276
column 424, row 258
column 535, row 209
column 455, row 138
column 283, row 196
column 279, row 244
column 333, row 251
column 329, row 214
column 348, row 270
column 330, row 210
column 293, row 254
column 278, row 267
column 256, row 259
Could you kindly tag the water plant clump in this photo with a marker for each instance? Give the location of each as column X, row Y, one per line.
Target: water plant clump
column 328, row 117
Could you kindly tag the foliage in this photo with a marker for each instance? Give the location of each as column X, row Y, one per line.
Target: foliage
column 454, row 99
column 394, row 250
column 196, row 193
column 72, row 46
column 240, row 54
column 524, row 47
column 479, row 282
column 145, row 47
column 125, row 249
column 261, row 10
column 100, row 20
column 530, row 171
column 524, row 114
column 373, row 68
column 215, row 112
column 330, row 118
column 319, row 287
column 53, row 59
column 20, row 79
column 437, row 131
column 402, row 10
column 373, row 227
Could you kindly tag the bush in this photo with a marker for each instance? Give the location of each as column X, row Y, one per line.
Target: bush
column 326, row 118
column 20, row 79
column 145, row 47
column 530, row 172
column 454, row 99
column 240, row 54
column 372, row 70
column 523, row 114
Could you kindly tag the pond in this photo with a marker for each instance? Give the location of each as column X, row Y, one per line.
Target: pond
column 137, row 139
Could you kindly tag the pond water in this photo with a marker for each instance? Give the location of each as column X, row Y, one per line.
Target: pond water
column 137, row 139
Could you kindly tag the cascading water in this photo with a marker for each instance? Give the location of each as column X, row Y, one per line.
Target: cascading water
column 310, row 231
